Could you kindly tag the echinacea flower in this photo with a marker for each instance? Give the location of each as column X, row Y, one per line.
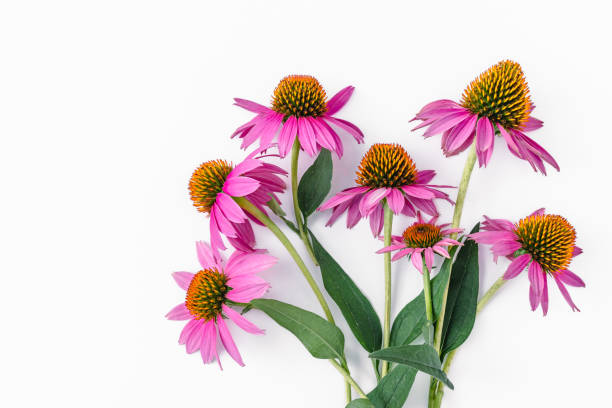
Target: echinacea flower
column 422, row 239
column 212, row 187
column 544, row 243
column 388, row 173
column 497, row 102
column 299, row 107
column 210, row 294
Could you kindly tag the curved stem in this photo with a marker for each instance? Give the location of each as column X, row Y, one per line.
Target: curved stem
column 449, row 359
column 465, row 180
column 388, row 216
column 248, row 206
column 348, row 378
column 295, row 153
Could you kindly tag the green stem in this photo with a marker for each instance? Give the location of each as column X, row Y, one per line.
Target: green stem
column 348, row 378
column 388, row 215
column 465, row 180
column 248, row 206
column 428, row 303
column 375, row 367
column 449, row 359
column 436, row 387
column 295, row 153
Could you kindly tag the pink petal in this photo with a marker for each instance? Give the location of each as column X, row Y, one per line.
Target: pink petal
column 376, row 220
column 187, row 330
column 353, row 215
column 208, row 345
column 390, row 248
column 424, row 176
column 440, row 250
column 505, row 248
column 207, row 256
column 577, row 251
column 248, row 293
column 228, row 341
column 544, row 298
column 240, row 186
column 517, row 266
column 215, row 237
column 419, row 192
column 240, row 321
column 223, row 223
column 307, row 136
column 339, row 100
column 251, row 106
column 342, row 196
column 565, row 293
column 195, row 338
column 287, row 136
column 417, row 261
column 402, row 253
column 347, row 126
column 249, row 263
column 532, row 124
column 230, row 209
column 446, row 122
column 429, row 258
column 183, row 279
column 371, row 199
column 570, row 278
column 179, row 312
column 484, row 140
column 536, row 277
column 461, row 133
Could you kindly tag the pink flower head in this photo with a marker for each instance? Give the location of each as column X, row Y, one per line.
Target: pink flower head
column 543, row 243
column 299, row 107
column 388, row 173
column 215, row 182
column 210, row 294
column 497, row 102
column 422, row 239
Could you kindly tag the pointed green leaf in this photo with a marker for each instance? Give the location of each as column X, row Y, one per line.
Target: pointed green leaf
column 423, row 357
column 315, row 183
column 462, row 297
column 393, row 388
column 320, row 337
column 360, row 403
column 355, row 307
column 409, row 323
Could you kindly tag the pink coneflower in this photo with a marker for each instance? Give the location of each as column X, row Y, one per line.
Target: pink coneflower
column 422, row 238
column 299, row 107
column 497, row 101
column 211, row 292
column 212, row 187
column 544, row 242
column 386, row 172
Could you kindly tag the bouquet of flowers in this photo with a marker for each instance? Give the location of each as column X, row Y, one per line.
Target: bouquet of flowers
column 389, row 187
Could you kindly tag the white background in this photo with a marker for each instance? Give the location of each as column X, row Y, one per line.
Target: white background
column 106, row 108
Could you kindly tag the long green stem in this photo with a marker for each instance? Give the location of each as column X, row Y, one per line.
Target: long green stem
column 428, row 303
column 348, row 378
column 436, row 387
column 439, row 394
column 248, row 206
column 295, row 153
column 388, row 223
column 465, row 180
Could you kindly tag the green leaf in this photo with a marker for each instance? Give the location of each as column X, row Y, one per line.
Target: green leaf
column 411, row 320
column 423, row 357
column 462, row 297
column 360, row 403
column 320, row 337
column 393, row 389
column 315, row 183
column 355, row 307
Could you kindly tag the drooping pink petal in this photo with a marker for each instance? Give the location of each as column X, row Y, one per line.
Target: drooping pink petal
column 505, row 248
column 240, row 186
column 244, row 282
column 240, row 321
column 248, row 293
column 179, row 312
column 251, row 106
column 307, row 137
column 228, row 341
column 576, row 251
column 509, row 141
column 339, row 100
column 484, row 140
column 390, row 248
column 539, row 211
column 347, row 126
column 230, row 209
column 544, row 298
column 492, row 237
column 376, row 220
column 225, row 226
column 461, row 133
column 570, row 278
column 215, row 236
column 402, row 253
column 208, row 345
column 353, row 215
column 339, row 147
column 342, row 196
column 371, row 199
column 324, row 137
column 249, row 263
column 439, row 104
column 429, row 258
column 337, row 212
column 446, row 122
column 194, row 340
column 565, row 293
column 183, row 279
column 532, row 124
column 427, row 206
column 287, row 136
column 440, row 250
column 424, row 176
column 208, row 257
column 417, row 261
column 536, row 278
column 540, row 151
column 517, row 266
column 418, row 191
column 187, row 330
